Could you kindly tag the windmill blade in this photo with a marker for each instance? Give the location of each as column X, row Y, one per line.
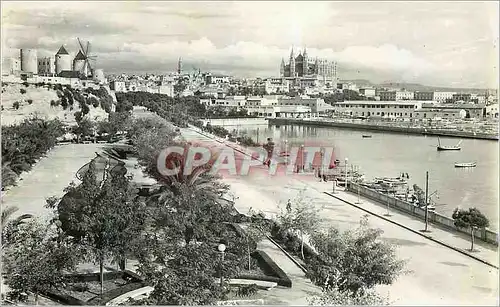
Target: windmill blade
column 88, row 49
column 81, row 45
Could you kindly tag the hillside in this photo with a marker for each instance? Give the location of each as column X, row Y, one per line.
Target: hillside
column 41, row 98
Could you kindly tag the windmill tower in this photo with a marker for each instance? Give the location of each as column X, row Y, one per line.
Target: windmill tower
column 83, row 59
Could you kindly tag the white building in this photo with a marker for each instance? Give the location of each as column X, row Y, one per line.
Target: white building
column 492, row 110
column 280, row 111
column 404, row 95
column 367, row 92
column 317, row 105
column 276, row 85
column 47, row 66
column 217, row 79
column 118, row 86
column 256, row 101
column 377, row 109
column 443, row 96
column 229, row 101
column 11, row 66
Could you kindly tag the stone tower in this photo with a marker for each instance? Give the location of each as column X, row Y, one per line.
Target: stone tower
column 282, row 68
column 292, row 64
column 305, row 65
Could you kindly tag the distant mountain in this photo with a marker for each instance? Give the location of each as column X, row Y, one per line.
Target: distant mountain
column 415, row 86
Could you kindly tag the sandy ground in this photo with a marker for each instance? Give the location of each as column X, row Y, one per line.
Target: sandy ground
column 437, row 275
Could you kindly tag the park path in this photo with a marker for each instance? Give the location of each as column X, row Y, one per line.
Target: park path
column 437, row 275
column 47, row 178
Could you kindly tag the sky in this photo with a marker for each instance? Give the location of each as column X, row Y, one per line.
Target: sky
column 451, row 44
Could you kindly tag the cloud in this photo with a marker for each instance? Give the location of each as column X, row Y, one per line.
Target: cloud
column 422, row 42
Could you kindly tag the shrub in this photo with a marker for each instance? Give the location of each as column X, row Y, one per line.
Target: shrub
column 247, row 290
column 25, row 83
column 30, row 101
column 16, row 105
column 22, row 91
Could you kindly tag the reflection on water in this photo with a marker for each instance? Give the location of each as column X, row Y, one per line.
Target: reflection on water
column 388, row 154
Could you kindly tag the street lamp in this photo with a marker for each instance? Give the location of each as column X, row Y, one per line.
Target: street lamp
column 221, row 248
column 346, row 174
column 286, row 152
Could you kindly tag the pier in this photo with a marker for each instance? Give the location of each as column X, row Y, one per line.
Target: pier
column 385, row 127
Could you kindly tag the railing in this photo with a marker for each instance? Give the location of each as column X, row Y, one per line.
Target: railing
column 485, row 235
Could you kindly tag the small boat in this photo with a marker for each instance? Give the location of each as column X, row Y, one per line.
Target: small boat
column 366, row 136
column 443, row 147
column 466, row 164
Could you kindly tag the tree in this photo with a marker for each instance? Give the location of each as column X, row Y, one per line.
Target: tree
column 183, row 276
column 472, row 219
column 84, row 128
column 16, row 105
column 354, row 260
column 300, row 215
column 253, row 234
column 10, row 226
column 335, row 297
column 37, row 258
column 102, row 214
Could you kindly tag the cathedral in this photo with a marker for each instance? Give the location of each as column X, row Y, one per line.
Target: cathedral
column 304, row 66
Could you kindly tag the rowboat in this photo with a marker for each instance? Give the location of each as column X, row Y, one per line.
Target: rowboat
column 466, row 164
column 443, row 147
column 366, row 136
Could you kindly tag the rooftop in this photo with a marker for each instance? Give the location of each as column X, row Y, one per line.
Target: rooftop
column 62, row 50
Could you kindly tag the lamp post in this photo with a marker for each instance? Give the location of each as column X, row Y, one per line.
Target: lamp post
column 346, row 174
column 221, row 248
column 286, row 152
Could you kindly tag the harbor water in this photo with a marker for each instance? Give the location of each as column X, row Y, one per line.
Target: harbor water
column 388, row 155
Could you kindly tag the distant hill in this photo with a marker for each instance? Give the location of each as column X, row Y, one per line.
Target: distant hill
column 415, row 86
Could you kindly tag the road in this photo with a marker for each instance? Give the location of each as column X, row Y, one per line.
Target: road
column 436, row 275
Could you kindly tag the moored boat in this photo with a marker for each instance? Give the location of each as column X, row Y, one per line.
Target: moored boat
column 366, row 136
column 466, row 164
column 443, row 147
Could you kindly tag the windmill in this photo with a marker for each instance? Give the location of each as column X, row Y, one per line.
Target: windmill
column 82, row 61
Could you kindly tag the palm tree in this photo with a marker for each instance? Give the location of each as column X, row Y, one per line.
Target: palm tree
column 11, row 224
column 190, row 202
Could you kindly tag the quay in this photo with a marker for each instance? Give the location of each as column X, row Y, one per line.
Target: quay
column 382, row 127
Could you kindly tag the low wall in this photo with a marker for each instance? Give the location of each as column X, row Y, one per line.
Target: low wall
column 435, row 218
column 384, row 128
column 227, row 122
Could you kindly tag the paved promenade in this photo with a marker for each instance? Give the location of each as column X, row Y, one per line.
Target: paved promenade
column 437, row 274
column 48, row 177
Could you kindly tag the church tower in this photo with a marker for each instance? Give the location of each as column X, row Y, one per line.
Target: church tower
column 305, row 64
column 292, row 64
column 282, row 68
column 179, row 66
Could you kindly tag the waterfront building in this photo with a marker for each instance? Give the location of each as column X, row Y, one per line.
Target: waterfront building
column 377, row 109
column 268, row 111
column 442, row 97
column 317, row 105
column 492, row 110
column 429, row 96
column 229, row 101
column 450, row 111
column 387, row 95
column 463, row 97
column 404, row 95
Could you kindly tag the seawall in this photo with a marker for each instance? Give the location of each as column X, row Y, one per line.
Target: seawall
column 435, row 218
column 384, row 128
column 230, row 122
